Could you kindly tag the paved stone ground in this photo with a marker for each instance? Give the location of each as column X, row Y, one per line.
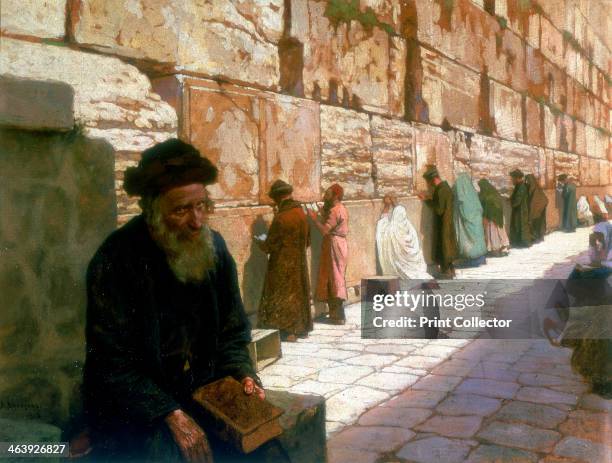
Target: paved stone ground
column 453, row 400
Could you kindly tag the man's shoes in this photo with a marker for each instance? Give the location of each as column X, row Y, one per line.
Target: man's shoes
column 336, row 321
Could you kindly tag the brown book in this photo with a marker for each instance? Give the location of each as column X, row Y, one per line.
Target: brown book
column 244, row 421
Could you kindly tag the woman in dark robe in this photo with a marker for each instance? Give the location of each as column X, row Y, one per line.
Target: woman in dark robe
column 493, row 219
column 537, row 208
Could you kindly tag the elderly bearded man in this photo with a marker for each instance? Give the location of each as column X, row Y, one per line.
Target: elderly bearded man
column 164, row 317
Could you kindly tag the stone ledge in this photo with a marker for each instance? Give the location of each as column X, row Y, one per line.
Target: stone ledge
column 36, row 105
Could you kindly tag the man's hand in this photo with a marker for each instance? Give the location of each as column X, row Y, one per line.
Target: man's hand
column 189, row 437
column 422, row 196
column 251, row 387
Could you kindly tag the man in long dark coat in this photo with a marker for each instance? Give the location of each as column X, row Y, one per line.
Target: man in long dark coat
column 520, row 232
column 164, row 316
column 569, row 213
column 537, row 208
column 445, row 240
column 285, row 302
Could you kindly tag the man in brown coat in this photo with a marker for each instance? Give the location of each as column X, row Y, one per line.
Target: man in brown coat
column 445, row 239
column 285, row 302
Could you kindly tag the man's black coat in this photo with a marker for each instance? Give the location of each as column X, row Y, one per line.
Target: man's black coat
column 134, row 305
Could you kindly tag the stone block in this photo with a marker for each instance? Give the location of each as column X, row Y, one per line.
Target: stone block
column 596, row 142
column 506, row 109
column 346, row 152
column 251, row 261
column 13, row 430
column 347, row 64
column 34, row 18
column 107, row 92
column 450, row 92
column 533, row 129
column 235, row 41
column 604, row 172
column 495, row 159
column 552, row 42
column 273, row 136
column 58, row 188
column 567, row 163
column 363, row 216
column 551, row 128
column 36, row 105
column 303, row 424
column 589, row 171
column 265, row 347
column 432, row 146
column 393, row 156
column 580, row 144
column 112, row 100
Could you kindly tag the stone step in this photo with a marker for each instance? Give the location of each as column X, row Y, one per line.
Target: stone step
column 265, row 347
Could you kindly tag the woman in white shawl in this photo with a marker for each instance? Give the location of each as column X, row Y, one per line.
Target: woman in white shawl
column 397, row 242
column 585, row 216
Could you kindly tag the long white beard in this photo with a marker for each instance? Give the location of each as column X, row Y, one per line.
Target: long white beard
column 189, row 259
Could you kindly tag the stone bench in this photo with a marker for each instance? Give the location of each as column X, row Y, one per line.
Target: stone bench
column 303, row 424
column 23, row 430
column 264, row 348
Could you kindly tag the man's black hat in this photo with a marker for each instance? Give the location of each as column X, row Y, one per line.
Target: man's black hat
column 562, row 177
column 431, row 171
column 280, row 188
column 169, row 164
column 517, row 173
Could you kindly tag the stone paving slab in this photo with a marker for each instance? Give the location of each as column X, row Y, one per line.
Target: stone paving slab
column 541, row 416
column 519, row 435
column 435, row 449
column 452, row 400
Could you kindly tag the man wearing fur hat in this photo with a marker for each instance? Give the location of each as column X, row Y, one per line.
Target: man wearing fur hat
column 285, row 302
column 164, row 315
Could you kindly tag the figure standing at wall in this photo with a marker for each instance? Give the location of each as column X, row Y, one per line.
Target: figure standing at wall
column 445, row 240
column 569, row 219
column 397, row 243
column 520, row 232
column 537, row 208
column 583, row 212
column 334, row 226
column 285, row 302
column 493, row 219
column 599, row 209
column 164, row 316
column 467, row 218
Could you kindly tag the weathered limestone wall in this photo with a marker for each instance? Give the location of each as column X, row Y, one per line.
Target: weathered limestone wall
column 364, row 93
column 57, row 203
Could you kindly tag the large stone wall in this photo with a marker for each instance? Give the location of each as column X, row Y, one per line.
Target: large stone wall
column 57, row 203
column 364, row 93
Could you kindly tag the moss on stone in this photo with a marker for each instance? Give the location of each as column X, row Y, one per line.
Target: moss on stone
column 345, row 11
column 503, row 22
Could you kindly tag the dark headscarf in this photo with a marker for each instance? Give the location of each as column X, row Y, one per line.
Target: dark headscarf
column 492, row 202
column 537, row 198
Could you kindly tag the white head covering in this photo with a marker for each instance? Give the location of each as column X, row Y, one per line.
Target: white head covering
column 398, row 247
